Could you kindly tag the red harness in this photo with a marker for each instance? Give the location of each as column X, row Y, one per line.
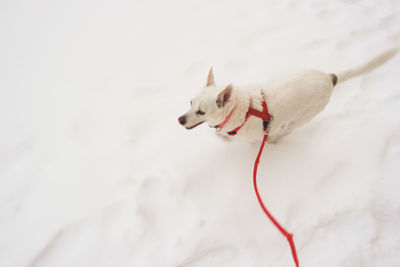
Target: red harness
column 266, row 117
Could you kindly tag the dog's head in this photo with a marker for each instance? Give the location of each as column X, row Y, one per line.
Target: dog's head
column 208, row 106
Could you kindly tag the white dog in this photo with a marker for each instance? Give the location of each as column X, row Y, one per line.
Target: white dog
column 291, row 101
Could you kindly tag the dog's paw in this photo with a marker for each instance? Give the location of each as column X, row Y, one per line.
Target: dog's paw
column 273, row 139
column 223, row 136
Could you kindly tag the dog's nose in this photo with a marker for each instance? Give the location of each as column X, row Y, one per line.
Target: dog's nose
column 182, row 120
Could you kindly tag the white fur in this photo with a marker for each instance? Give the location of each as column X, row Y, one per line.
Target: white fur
column 292, row 101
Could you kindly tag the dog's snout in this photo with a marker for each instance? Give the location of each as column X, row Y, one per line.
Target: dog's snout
column 182, row 120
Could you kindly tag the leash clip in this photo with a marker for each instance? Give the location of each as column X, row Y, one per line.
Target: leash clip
column 267, row 124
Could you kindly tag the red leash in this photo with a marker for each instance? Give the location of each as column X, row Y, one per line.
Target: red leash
column 266, row 117
column 289, row 236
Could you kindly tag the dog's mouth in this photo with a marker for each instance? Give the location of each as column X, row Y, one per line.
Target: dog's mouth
column 191, row 127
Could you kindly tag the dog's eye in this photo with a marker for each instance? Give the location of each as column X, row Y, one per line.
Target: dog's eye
column 199, row 112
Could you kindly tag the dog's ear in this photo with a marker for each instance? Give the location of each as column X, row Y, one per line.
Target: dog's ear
column 210, row 78
column 224, row 96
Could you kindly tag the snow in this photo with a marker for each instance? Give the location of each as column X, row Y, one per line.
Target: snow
column 96, row 171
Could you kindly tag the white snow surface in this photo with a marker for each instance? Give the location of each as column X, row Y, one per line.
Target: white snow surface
column 96, row 171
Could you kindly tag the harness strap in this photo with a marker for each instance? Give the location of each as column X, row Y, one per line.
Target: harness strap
column 222, row 124
column 264, row 115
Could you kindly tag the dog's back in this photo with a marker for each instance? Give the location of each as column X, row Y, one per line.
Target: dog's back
column 296, row 99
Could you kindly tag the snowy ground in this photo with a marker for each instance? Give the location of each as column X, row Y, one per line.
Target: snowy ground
column 96, row 171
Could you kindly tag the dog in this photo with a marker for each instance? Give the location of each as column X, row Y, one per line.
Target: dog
column 292, row 101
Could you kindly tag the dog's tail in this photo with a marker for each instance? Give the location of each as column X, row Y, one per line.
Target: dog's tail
column 370, row 65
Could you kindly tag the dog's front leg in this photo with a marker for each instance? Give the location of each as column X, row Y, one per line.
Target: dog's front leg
column 273, row 139
column 223, row 136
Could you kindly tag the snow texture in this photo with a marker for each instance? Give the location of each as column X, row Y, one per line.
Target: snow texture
column 96, row 171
